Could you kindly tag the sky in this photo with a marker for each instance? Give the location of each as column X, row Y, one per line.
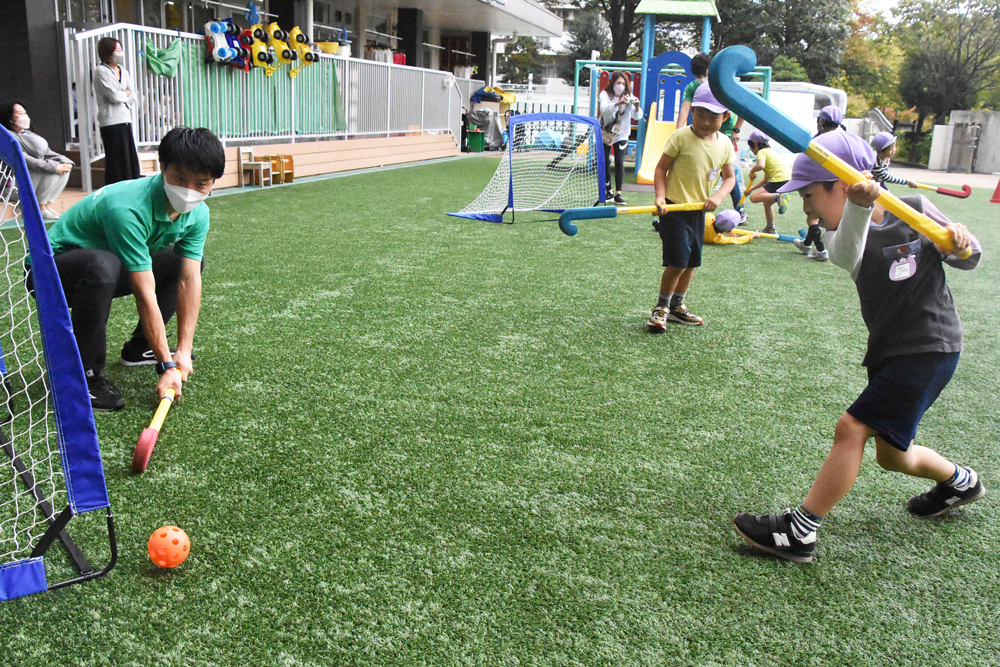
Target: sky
column 882, row 6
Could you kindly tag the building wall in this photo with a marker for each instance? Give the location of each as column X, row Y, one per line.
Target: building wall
column 988, row 147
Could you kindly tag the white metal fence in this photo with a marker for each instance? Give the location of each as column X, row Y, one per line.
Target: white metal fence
column 375, row 99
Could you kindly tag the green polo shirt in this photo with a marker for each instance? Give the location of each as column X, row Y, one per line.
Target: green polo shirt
column 130, row 219
column 727, row 127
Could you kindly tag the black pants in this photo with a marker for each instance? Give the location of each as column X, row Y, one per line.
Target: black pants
column 121, row 161
column 619, row 151
column 92, row 279
column 814, row 235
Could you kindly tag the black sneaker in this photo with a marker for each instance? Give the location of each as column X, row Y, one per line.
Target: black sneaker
column 104, row 396
column 773, row 533
column 619, row 199
column 140, row 354
column 944, row 496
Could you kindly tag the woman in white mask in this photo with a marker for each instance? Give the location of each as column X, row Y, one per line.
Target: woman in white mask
column 617, row 110
column 116, row 99
column 49, row 170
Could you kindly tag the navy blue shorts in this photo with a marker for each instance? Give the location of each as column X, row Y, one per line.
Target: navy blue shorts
column 682, row 233
column 772, row 186
column 899, row 391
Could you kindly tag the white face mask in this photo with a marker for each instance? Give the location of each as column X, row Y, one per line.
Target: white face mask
column 619, row 88
column 24, row 122
column 118, row 58
column 184, row 200
column 701, row 79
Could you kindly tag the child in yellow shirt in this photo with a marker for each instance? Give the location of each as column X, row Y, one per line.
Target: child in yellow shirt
column 776, row 173
column 692, row 160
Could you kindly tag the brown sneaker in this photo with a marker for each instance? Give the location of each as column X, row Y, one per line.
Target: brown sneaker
column 681, row 315
column 657, row 322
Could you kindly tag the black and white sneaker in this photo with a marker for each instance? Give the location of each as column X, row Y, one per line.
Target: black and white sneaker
column 140, row 354
column 944, row 497
column 619, row 199
column 104, row 395
column 773, row 533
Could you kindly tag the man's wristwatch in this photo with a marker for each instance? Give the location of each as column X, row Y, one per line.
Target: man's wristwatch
column 163, row 366
column 736, row 130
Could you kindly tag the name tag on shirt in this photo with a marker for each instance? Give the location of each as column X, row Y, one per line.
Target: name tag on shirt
column 712, row 175
column 902, row 260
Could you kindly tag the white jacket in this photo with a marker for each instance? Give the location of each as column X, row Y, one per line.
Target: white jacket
column 609, row 111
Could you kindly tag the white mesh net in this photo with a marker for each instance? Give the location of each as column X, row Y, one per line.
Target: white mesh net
column 31, row 477
column 551, row 165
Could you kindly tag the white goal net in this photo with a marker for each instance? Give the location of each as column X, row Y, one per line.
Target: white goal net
column 553, row 162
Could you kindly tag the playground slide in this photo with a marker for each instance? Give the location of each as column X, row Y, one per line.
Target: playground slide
column 657, row 132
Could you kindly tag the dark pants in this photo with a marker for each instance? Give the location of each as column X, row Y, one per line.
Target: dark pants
column 121, row 161
column 619, row 151
column 92, row 279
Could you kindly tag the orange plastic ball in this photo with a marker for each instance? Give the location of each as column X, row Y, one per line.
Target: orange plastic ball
column 169, row 546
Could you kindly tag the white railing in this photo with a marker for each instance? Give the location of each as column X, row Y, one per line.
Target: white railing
column 375, row 99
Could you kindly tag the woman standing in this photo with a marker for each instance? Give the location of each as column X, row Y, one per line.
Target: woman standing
column 49, row 170
column 617, row 109
column 115, row 94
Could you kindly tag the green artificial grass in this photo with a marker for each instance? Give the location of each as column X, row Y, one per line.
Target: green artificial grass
column 420, row 440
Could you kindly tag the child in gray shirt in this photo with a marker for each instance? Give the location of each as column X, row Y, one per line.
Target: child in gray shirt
column 914, row 341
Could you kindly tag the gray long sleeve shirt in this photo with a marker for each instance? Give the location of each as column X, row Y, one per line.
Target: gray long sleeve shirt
column 114, row 106
column 905, row 301
column 37, row 154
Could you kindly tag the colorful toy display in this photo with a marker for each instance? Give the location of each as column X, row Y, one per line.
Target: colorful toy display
column 267, row 47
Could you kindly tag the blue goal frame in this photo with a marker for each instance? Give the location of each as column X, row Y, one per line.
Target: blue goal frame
column 76, row 433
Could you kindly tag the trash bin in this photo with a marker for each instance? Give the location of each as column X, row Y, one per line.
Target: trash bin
column 477, row 139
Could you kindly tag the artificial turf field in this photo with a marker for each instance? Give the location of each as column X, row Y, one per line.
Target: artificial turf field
column 420, row 440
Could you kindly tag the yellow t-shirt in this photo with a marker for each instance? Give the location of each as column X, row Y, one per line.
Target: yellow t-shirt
column 697, row 164
column 775, row 167
column 715, row 238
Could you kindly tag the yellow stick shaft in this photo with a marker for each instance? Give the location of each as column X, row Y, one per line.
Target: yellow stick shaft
column 161, row 411
column 743, row 198
column 891, row 202
column 629, row 210
column 927, row 187
column 747, row 232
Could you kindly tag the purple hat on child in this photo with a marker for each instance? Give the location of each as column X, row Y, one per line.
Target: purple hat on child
column 883, row 140
column 704, row 98
column 850, row 148
column 759, row 137
column 726, row 221
column 832, row 113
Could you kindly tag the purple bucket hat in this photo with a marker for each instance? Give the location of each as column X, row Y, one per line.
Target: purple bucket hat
column 832, row 113
column 726, row 221
column 883, row 140
column 704, row 98
column 850, row 148
column 759, row 137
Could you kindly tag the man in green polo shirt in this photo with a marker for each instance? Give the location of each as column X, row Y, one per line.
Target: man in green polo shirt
column 730, row 128
column 144, row 237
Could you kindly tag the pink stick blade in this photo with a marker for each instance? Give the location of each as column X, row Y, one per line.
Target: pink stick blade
column 144, row 449
column 961, row 194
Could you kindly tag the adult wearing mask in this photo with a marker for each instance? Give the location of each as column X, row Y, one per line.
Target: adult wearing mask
column 617, row 109
column 49, row 170
column 115, row 94
column 730, row 128
column 143, row 237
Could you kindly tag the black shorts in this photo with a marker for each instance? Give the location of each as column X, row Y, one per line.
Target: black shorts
column 899, row 391
column 772, row 186
column 682, row 233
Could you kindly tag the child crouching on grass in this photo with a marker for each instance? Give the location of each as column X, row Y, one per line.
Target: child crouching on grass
column 694, row 157
column 914, row 341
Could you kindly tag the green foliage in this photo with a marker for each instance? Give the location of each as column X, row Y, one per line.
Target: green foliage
column 871, row 61
column 811, row 32
column 624, row 24
column 918, row 151
column 951, row 53
column 520, row 59
column 587, row 34
column 787, row 69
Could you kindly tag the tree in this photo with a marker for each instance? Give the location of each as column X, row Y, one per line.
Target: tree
column 521, row 58
column 810, row 32
column 587, row 34
column 871, row 61
column 951, row 53
column 625, row 25
column 787, row 69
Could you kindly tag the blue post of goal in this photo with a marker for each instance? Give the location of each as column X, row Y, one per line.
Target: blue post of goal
column 52, row 461
column 553, row 162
